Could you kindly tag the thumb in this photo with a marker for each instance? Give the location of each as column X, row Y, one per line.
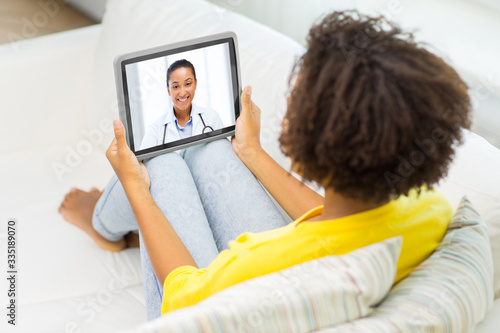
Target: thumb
column 246, row 97
column 119, row 133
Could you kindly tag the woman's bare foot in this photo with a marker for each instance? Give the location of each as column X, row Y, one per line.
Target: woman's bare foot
column 77, row 208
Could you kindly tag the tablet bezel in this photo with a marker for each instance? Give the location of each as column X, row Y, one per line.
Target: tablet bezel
column 184, row 46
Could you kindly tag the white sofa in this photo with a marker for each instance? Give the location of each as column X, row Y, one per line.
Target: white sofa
column 57, row 102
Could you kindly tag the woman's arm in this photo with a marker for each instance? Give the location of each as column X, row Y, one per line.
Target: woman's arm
column 292, row 195
column 164, row 247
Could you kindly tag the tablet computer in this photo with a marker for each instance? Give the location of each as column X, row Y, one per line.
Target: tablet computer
column 179, row 95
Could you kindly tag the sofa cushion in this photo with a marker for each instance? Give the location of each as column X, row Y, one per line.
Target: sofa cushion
column 266, row 56
column 451, row 291
column 305, row 297
column 474, row 172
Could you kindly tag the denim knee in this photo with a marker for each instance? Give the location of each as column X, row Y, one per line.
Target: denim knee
column 160, row 165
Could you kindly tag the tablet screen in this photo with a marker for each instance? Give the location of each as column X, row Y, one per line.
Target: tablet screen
column 179, row 95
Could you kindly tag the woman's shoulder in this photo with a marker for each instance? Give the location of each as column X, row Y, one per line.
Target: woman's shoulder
column 428, row 202
column 426, row 195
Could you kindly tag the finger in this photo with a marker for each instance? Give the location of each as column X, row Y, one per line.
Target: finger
column 246, row 99
column 112, row 149
column 119, row 133
column 255, row 109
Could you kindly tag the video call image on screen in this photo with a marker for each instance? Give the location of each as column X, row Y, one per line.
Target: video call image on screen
column 190, row 105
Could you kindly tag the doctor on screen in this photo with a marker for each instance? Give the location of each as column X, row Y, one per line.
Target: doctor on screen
column 185, row 119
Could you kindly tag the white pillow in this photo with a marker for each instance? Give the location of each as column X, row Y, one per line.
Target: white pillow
column 266, row 56
column 475, row 173
column 309, row 296
column 451, row 291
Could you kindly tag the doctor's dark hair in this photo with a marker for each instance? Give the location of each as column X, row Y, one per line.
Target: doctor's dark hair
column 372, row 114
column 182, row 63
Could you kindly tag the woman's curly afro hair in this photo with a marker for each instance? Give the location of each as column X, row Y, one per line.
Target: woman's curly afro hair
column 371, row 113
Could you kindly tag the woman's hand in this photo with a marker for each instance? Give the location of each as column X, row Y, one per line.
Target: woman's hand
column 246, row 142
column 128, row 169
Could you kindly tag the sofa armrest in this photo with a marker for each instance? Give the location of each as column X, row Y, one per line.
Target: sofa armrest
column 44, row 88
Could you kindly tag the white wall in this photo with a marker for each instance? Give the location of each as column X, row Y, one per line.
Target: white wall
column 93, row 8
column 494, row 4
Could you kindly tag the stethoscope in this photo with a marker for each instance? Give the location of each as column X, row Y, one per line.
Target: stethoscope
column 205, row 127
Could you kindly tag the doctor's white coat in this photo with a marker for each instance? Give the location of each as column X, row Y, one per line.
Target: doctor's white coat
column 154, row 134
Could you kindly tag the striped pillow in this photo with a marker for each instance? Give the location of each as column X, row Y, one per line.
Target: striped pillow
column 449, row 292
column 313, row 295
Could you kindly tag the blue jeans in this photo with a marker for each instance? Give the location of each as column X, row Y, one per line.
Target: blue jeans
column 208, row 196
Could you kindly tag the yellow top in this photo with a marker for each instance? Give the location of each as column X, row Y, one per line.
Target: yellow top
column 422, row 221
